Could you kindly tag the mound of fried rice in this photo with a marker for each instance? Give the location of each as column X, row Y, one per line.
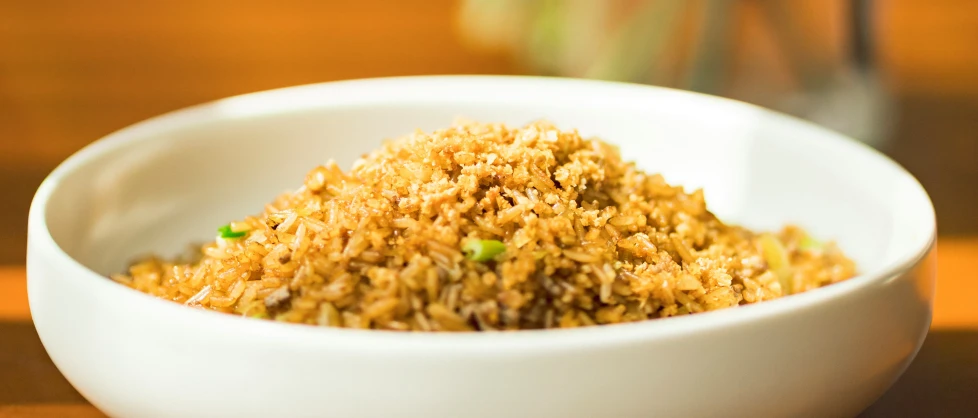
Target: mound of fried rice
column 573, row 236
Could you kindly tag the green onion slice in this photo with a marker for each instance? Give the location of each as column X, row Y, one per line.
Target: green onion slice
column 226, row 232
column 483, row 250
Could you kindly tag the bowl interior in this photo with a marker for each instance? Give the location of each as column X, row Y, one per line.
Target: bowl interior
column 162, row 184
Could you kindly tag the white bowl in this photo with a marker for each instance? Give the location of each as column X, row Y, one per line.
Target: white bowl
column 157, row 185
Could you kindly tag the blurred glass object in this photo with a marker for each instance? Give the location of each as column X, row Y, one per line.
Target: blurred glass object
column 809, row 58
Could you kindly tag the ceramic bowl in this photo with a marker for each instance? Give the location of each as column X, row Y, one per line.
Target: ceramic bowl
column 162, row 183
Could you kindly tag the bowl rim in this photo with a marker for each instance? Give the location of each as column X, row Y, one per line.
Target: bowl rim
column 304, row 97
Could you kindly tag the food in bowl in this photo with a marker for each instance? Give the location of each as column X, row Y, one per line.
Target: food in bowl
column 482, row 227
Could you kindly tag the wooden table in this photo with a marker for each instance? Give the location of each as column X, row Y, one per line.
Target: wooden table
column 942, row 381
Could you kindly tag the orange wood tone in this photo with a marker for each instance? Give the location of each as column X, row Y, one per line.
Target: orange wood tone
column 75, row 71
column 50, row 411
column 929, row 47
column 955, row 303
column 955, row 307
column 13, row 294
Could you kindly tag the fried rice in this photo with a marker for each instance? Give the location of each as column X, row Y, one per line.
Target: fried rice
column 482, row 227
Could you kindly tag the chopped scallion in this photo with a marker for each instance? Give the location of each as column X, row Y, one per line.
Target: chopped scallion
column 226, row 232
column 482, row 250
column 809, row 243
column 778, row 260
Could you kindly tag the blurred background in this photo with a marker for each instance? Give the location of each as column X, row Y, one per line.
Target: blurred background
column 901, row 75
